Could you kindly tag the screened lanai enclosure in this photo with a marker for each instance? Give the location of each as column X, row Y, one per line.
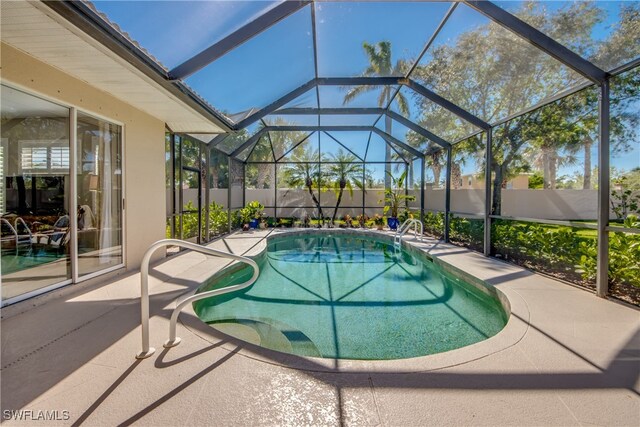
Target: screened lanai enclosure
column 510, row 128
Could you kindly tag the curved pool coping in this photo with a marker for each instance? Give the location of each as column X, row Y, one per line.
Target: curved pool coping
column 512, row 302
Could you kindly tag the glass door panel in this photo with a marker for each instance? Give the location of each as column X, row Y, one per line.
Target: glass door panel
column 35, row 194
column 99, row 212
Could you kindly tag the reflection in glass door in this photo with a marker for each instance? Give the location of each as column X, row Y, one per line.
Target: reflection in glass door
column 99, row 182
column 36, row 192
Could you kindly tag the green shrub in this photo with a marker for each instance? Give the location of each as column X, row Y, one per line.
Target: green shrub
column 556, row 250
column 570, row 253
column 254, row 210
column 434, row 223
column 218, row 222
column 189, row 222
column 467, row 232
column 624, row 255
column 236, row 218
column 218, row 219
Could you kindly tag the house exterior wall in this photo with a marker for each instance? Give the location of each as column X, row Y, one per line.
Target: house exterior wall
column 144, row 214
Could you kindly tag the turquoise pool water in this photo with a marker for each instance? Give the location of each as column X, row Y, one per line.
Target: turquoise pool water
column 351, row 298
column 25, row 258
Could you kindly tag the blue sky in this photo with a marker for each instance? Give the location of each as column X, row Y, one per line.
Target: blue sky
column 174, row 31
column 282, row 58
column 620, row 161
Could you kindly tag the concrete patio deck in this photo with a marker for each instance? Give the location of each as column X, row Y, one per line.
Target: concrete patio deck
column 565, row 358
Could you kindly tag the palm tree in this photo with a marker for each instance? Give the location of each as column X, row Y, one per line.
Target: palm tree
column 436, row 160
column 344, row 174
column 305, row 173
column 282, row 141
column 548, row 157
column 263, row 171
column 379, row 56
column 263, row 153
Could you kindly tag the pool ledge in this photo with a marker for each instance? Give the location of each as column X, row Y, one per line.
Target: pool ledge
column 489, row 275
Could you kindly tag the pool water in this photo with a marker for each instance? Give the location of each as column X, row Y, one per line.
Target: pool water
column 351, row 298
column 29, row 257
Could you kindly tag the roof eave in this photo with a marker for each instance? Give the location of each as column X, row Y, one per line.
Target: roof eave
column 85, row 18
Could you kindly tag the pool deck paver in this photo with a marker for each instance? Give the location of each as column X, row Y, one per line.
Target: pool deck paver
column 574, row 361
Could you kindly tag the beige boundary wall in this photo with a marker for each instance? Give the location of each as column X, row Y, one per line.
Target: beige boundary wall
column 143, row 143
column 542, row 204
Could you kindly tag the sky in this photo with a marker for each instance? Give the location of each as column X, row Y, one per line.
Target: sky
column 282, row 58
column 620, row 161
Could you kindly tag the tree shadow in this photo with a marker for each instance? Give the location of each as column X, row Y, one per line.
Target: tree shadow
column 172, row 393
column 95, row 405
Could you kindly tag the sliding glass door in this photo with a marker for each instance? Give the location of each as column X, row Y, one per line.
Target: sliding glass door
column 99, row 182
column 35, row 194
column 42, row 208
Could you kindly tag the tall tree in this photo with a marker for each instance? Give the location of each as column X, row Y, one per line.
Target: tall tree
column 381, row 65
column 268, row 149
column 493, row 74
column 305, row 173
column 346, row 172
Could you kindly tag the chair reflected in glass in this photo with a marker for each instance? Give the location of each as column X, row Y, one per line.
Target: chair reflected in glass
column 57, row 238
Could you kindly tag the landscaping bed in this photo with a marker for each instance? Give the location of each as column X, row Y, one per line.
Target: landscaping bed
column 566, row 253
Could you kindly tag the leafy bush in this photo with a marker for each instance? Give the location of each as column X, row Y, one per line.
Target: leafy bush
column 218, row 221
column 566, row 252
column 190, row 221
column 559, row 251
column 467, row 232
column 624, row 255
column 236, row 218
column 434, row 223
column 254, row 209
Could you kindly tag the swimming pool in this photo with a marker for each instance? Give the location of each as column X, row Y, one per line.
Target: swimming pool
column 350, row 297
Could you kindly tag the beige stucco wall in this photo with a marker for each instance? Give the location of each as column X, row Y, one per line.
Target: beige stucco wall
column 542, row 204
column 143, row 143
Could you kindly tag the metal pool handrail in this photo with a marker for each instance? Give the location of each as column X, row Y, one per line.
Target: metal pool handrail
column 24, row 224
column 144, row 290
column 405, row 227
column 11, row 227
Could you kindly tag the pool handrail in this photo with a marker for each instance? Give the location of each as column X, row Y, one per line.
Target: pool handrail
column 26, row 227
column 401, row 231
column 11, row 227
column 144, row 289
